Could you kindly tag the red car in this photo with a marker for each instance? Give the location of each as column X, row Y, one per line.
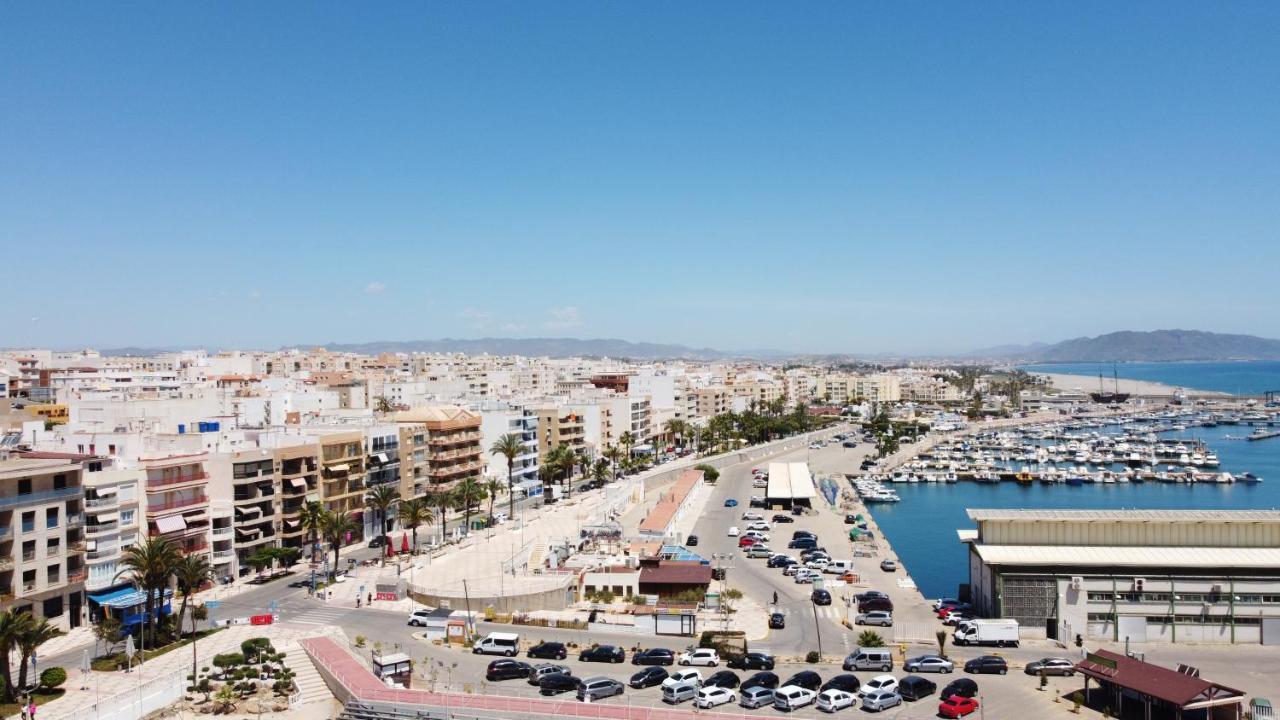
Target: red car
column 957, row 706
column 747, row 542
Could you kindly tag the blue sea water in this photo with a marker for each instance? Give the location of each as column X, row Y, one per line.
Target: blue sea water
column 922, row 528
column 1237, row 378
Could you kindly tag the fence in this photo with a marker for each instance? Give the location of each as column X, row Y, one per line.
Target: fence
column 149, row 696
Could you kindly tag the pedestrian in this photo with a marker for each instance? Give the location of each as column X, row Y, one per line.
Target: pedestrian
column 31, row 710
column 357, row 602
column 24, row 711
column 370, row 599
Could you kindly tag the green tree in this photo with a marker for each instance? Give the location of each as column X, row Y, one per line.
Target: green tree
column 415, row 512
column 312, row 518
column 149, row 564
column 600, row 471
column 492, row 487
column 870, row 639
column 614, row 455
column 466, row 495
column 191, row 572
column 52, row 677
column 381, row 499
column 11, row 626
column 728, row 598
column 510, row 447
column 941, row 637
column 628, row 440
column 382, row 405
column 336, row 526
column 110, row 631
column 559, row 462
column 32, row 635
column 710, row 474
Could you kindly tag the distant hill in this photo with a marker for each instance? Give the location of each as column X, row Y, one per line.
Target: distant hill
column 1156, row 346
column 545, row 347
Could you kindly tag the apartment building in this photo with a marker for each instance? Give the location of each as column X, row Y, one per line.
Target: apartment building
column 453, row 443
column 112, row 520
column 177, row 499
column 42, row 545
column 522, row 423
column 299, row 484
column 838, row 389
column 342, row 472
column 382, row 458
column 707, row 402
column 254, row 479
column 560, row 426
column 415, row 466
column 879, row 388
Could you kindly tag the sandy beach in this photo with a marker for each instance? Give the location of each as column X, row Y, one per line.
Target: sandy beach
column 1088, row 384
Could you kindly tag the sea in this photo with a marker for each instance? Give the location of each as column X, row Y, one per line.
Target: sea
column 922, row 527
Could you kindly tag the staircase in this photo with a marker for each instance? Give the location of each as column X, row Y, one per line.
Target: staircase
column 311, row 687
column 537, row 556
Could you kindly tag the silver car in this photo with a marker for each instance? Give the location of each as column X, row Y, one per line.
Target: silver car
column 1051, row 666
column 875, row 617
column 929, row 663
column 542, row 670
column 881, row 700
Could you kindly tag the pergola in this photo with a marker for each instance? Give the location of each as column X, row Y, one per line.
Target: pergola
column 1155, row 686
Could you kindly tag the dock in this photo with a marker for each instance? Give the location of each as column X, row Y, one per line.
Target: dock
column 1262, row 435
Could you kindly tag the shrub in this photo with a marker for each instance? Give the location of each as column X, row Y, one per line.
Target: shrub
column 226, row 661
column 870, row 639
column 360, row 640
column 53, row 677
column 709, row 474
column 253, row 648
column 812, row 657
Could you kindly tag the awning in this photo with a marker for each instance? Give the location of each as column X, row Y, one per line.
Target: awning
column 298, row 483
column 106, row 517
column 171, row 523
column 105, row 491
column 109, row 595
column 251, row 510
column 131, row 597
column 338, row 468
column 292, row 523
column 313, row 497
column 90, row 545
column 381, row 458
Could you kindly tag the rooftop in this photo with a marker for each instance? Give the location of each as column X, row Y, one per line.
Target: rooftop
column 790, row 481
column 31, row 466
column 1171, row 686
column 1268, row 516
column 1213, row 558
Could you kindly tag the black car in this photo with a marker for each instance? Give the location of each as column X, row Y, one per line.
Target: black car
column 724, row 679
column 761, row 679
column 549, row 651
column 821, row 597
column 847, row 682
column 654, row 656
column 850, row 519
column 506, row 670
column 796, row 535
column 870, row 595
column 803, row 543
column 753, row 660
column 780, row 518
column 557, row 683
column 807, row 679
column 914, row 687
column 777, row 621
column 778, row 561
column 603, row 653
column 691, row 541
column 964, row 687
column 987, row 664
column 648, row 677
column 812, row 553
column 875, row 604
column 378, row 541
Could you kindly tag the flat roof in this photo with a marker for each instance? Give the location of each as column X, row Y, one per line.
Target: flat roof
column 28, row 465
column 1104, row 555
column 1131, row 515
column 790, row 481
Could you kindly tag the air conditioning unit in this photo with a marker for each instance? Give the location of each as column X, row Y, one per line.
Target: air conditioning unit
column 1139, row 583
column 1216, row 587
column 1077, row 582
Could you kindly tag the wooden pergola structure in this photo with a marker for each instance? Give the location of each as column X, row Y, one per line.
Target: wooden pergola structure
column 1173, row 694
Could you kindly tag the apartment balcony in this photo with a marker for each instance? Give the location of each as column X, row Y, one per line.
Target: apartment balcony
column 223, row 555
column 452, row 470
column 179, row 503
column 104, row 553
column 6, row 563
column 76, row 546
column 454, row 439
column 101, row 528
column 261, row 497
column 74, row 522
column 222, row 531
column 106, row 503
column 166, row 481
column 11, row 501
column 79, row 576
column 452, row 454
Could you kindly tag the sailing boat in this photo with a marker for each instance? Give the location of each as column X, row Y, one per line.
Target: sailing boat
column 1109, row 398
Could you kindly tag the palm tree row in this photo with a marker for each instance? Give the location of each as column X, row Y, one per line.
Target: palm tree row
column 151, row 566
column 20, row 630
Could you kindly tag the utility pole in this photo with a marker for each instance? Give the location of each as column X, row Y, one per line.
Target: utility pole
column 470, row 621
column 817, row 626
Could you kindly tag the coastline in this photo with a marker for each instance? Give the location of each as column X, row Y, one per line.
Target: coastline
column 1088, row 384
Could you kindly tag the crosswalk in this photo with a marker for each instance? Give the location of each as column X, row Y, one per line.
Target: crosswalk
column 314, row 616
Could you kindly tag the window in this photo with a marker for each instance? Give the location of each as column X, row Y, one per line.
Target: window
column 59, row 482
column 54, row 574
column 126, row 517
column 28, row 550
column 51, row 517
column 51, row 546
column 24, row 486
column 29, row 521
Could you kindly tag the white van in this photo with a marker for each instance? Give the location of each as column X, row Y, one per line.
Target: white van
column 839, row 567
column 498, row 643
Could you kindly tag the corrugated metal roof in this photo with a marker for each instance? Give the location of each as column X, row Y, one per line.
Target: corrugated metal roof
column 1132, row 515
column 1090, row 555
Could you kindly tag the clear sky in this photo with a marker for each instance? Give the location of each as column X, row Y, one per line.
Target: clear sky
column 853, row 177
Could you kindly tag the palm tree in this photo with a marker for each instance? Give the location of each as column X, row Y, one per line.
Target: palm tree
column 148, row 565
column 675, row 428
column 440, row 498
column 336, row 526
column 561, row 460
column 614, row 454
column 467, row 493
column 600, row 471
column 11, row 626
column 414, row 512
column 191, row 573
column 627, row 441
column 381, row 498
column 509, row 446
column 492, row 487
column 31, row 635
column 312, row 517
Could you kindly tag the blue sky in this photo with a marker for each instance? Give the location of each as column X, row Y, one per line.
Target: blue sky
column 850, row 177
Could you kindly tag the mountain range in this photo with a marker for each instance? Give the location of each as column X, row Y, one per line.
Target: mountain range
column 1153, row 346
column 549, row 347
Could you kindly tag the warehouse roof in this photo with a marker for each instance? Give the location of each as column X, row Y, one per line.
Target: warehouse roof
column 1101, row 555
column 790, row 481
column 1131, row 515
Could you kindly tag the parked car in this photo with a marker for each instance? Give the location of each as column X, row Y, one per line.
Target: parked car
column 549, row 651
column 803, row 543
column 871, row 604
column 797, row 534
column 987, row 664
column 759, row 551
column 805, row 575
column 820, row 597
column 707, row 657
column 654, row 656
column 807, row 679
column 723, row 678
column 377, row 541
column 818, row 562
column 846, row 682
column 881, row 700
column 780, row 560
column 691, row 541
column 888, row 565
column 747, row 541
column 507, row 670
column 557, row 683
column 869, row 659
column 760, row 679
column 603, row 653
column 875, row 617
column 542, row 670
column 752, row 661
column 777, row 621
column 730, row 502
column 914, row 687
column 955, row 617
column 928, row 663
column 870, row 595
column 1051, row 666
column 709, row 697
column 791, row 697
column 964, row 687
column 957, row 706
column 733, row 531
column 598, row 688
column 850, row 519
column 759, row 525
column 940, row 602
column 679, row 692
column 780, row 518
column 648, row 677
column 755, row 696
column 680, row 677
column 879, row 683
column 418, row 618
column 833, row 700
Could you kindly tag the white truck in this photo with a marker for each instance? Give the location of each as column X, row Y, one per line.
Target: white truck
column 982, row 631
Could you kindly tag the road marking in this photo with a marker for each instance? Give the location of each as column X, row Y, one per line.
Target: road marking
column 316, row 616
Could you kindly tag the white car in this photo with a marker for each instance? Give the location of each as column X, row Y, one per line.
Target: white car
column 761, row 536
column 805, row 575
column 749, row 516
column 713, row 696
column 833, row 700
column 792, row 697
column 733, row 531
column 879, row 683
column 760, row 525
column 818, row 563
column 680, row 677
column 419, row 618
column 707, row 657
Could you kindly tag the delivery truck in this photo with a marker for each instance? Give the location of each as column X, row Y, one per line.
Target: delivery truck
column 981, row 631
